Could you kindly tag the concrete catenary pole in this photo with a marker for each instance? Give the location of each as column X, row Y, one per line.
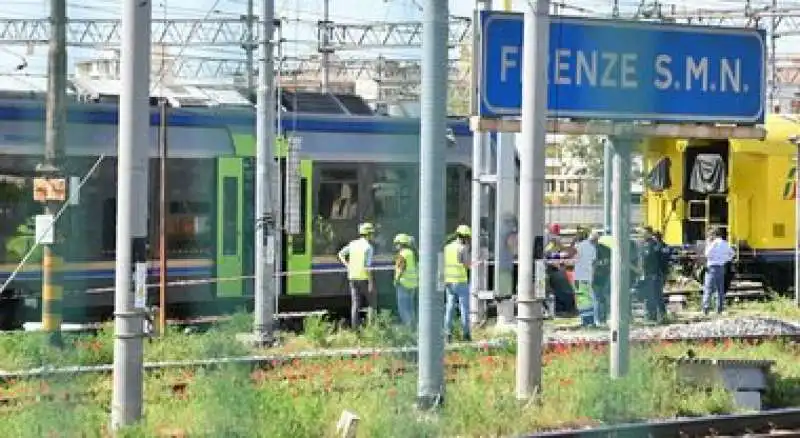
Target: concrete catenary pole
column 326, row 52
column 479, row 141
column 607, row 171
column 163, row 216
column 620, row 265
column 249, row 48
column 433, row 132
column 265, row 149
column 54, row 151
column 132, row 190
column 532, row 169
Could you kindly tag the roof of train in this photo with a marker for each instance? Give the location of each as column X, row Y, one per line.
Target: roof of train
column 91, row 113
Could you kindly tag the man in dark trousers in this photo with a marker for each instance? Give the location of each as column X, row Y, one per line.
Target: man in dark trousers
column 666, row 263
column 650, row 263
column 601, row 278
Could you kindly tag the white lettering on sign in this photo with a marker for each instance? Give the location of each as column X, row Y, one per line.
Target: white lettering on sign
column 562, row 66
column 663, row 74
column 695, row 70
column 597, row 68
column 628, row 70
column 610, row 62
column 586, row 68
column 507, row 62
column 730, row 76
column 614, row 70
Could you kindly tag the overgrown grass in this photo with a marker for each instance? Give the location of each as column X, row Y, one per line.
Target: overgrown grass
column 480, row 400
column 776, row 307
column 20, row 350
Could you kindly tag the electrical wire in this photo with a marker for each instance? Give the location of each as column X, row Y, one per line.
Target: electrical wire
column 158, row 81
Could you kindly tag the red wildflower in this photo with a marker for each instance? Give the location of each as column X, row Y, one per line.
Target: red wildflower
column 392, row 392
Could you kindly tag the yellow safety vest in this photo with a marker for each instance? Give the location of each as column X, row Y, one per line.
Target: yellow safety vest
column 408, row 278
column 454, row 271
column 357, row 260
column 583, row 298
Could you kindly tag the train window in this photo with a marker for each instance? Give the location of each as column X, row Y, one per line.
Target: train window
column 457, row 204
column 299, row 240
column 230, row 215
column 188, row 229
column 191, row 212
column 338, row 194
column 395, row 203
column 109, row 233
column 336, row 217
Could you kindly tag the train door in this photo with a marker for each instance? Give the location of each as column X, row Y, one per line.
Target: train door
column 705, row 189
column 229, row 226
column 297, row 254
column 338, row 207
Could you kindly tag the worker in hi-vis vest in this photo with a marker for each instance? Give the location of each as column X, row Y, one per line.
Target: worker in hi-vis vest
column 357, row 257
column 406, row 280
column 456, row 281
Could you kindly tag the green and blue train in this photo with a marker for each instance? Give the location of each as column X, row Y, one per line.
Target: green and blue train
column 354, row 167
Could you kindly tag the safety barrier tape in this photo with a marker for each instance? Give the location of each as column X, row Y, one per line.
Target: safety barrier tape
column 552, row 262
column 289, row 274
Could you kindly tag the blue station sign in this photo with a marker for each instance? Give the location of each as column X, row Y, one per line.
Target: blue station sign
column 627, row 70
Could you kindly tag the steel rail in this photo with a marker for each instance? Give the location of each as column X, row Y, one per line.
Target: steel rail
column 715, row 425
column 351, row 353
column 345, row 353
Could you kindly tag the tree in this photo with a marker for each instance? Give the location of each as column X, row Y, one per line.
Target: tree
column 587, row 150
column 457, row 101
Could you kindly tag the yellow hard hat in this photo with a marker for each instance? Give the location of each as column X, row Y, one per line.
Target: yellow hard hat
column 366, row 228
column 402, row 239
column 463, row 230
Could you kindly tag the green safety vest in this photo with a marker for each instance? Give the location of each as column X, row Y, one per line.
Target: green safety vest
column 583, row 298
column 607, row 240
column 409, row 277
column 454, row 271
column 357, row 260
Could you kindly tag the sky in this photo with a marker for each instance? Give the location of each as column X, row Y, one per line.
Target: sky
column 302, row 16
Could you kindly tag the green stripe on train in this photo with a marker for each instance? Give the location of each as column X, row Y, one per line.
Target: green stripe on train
column 298, row 248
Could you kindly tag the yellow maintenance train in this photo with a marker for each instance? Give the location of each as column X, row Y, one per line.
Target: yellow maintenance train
column 747, row 187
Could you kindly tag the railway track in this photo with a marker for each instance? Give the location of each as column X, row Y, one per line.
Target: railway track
column 779, row 422
column 268, row 361
column 295, row 370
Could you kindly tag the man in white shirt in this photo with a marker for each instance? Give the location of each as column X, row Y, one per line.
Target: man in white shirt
column 584, row 298
column 718, row 253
